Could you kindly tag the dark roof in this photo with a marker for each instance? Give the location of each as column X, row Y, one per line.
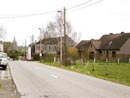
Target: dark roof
column 113, row 41
column 106, row 42
column 54, row 40
column 83, row 44
column 50, row 41
column 96, row 43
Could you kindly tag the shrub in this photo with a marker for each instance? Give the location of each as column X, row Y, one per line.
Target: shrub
column 36, row 56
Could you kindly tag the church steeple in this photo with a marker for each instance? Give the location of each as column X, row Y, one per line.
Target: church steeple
column 14, row 44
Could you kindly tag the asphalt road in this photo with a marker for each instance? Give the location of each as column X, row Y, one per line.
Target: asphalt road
column 35, row 80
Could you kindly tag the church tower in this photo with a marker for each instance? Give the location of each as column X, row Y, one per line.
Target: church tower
column 14, row 44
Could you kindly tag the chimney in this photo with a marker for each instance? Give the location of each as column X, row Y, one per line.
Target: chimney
column 122, row 32
column 111, row 33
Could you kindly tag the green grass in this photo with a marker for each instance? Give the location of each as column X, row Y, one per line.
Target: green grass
column 119, row 73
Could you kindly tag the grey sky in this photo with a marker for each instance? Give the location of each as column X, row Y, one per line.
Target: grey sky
column 108, row 16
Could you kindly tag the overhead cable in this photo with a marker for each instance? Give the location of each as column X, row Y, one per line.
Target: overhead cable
column 28, row 15
column 49, row 12
column 79, row 5
column 87, row 5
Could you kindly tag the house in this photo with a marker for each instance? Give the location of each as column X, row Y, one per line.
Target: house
column 110, row 46
column 51, row 45
column 1, row 47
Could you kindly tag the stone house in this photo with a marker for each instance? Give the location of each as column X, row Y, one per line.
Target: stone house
column 51, row 45
column 110, row 46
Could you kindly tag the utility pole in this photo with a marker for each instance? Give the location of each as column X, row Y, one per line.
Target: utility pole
column 65, row 46
column 25, row 51
column 60, row 36
column 40, row 50
column 40, row 40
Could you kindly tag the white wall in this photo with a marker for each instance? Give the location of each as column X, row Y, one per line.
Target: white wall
column 1, row 47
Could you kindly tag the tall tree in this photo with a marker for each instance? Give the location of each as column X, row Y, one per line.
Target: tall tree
column 53, row 29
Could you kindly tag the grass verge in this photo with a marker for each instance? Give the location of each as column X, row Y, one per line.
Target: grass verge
column 119, row 73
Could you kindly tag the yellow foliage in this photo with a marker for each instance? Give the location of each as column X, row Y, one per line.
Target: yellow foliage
column 73, row 51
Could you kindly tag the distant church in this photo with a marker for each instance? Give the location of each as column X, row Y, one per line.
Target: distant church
column 14, row 45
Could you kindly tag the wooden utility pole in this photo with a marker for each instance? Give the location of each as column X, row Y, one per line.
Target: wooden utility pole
column 61, row 25
column 25, row 51
column 65, row 47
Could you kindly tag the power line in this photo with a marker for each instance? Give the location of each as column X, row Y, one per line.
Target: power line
column 28, row 15
column 79, row 5
column 88, row 5
column 49, row 12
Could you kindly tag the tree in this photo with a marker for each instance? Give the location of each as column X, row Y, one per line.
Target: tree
column 7, row 46
column 73, row 53
column 53, row 29
column 14, row 54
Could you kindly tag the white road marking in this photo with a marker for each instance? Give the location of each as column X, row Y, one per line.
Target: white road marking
column 54, row 76
column 37, row 68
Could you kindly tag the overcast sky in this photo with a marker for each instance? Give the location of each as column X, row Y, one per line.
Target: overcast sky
column 108, row 16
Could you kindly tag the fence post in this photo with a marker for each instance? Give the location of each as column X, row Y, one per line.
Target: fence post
column 106, row 65
column 54, row 59
column 94, row 60
column 118, row 60
column 106, row 60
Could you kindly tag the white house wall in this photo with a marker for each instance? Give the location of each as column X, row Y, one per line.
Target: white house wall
column 1, row 47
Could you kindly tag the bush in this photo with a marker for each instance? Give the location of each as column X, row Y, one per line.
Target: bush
column 36, row 56
column 48, row 57
column 14, row 54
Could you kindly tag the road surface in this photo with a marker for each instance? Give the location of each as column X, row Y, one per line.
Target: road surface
column 35, row 80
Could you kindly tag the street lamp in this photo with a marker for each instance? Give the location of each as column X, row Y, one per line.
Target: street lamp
column 40, row 40
column 60, row 36
column 40, row 50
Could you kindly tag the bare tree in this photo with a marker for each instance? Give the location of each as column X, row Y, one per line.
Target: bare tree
column 53, row 29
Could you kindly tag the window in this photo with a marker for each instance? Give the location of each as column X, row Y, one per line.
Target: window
column 107, row 54
column 110, row 43
column 54, row 47
column 113, row 54
column 91, row 45
column 100, row 52
column 49, row 48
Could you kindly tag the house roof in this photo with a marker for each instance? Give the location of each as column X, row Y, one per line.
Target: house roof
column 114, row 41
column 83, row 44
column 96, row 43
column 106, row 42
column 50, row 41
column 54, row 40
